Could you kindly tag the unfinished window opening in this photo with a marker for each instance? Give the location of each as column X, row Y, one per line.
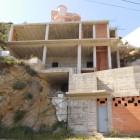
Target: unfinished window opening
column 116, row 104
column 123, row 99
column 113, row 99
column 89, row 64
column 135, row 104
column 130, row 101
column 133, row 99
column 97, row 99
column 54, row 64
column 138, row 101
column 125, row 104
column 102, row 102
column 119, row 102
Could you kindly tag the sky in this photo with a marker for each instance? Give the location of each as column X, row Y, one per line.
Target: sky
column 39, row 11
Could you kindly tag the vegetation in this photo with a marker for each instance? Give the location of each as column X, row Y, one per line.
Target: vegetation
column 19, row 85
column 4, row 30
column 19, row 115
column 129, row 54
column 114, row 133
column 29, row 70
column 6, row 61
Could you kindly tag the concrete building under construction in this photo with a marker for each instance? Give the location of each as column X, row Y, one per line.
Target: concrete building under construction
column 81, row 58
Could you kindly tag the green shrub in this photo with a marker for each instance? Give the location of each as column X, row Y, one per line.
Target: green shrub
column 29, row 96
column 7, row 61
column 19, row 115
column 30, row 71
column 19, row 85
column 114, row 133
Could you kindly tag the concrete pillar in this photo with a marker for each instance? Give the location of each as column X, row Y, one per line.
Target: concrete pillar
column 79, row 59
column 94, row 57
column 118, row 59
column 47, row 32
column 109, row 57
column 44, row 55
column 45, row 47
column 11, row 33
column 109, row 111
column 94, row 31
column 80, row 30
column 108, row 31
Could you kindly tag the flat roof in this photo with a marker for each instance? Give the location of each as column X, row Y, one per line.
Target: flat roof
column 69, row 22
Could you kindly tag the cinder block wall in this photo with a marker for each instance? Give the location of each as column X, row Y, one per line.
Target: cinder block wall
column 119, row 82
column 67, row 61
column 85, row 82
column 82, row 115
column 126, row 115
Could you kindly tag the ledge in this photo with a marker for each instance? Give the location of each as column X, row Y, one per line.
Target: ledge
column 93, row 93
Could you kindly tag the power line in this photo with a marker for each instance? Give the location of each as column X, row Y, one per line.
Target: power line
column 131, row 2
column 108, row 4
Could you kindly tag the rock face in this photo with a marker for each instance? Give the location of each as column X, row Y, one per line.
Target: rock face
column 32, row 99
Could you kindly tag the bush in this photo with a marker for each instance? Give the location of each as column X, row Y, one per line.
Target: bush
column 30, row 71
column 7, row 61
column 114, row 133
column 19, row 115
column 19, row 85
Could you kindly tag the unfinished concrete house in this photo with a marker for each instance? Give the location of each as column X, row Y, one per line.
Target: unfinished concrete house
column 81, row 59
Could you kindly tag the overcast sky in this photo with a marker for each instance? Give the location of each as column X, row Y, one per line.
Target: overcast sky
column 38, row 11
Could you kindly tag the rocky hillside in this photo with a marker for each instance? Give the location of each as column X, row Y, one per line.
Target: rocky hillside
column 24, row 98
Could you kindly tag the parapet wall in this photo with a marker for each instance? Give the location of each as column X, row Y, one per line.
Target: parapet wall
column 120, row 82
column 85, row 82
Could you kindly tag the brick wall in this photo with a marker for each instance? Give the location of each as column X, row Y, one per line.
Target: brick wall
column 126, row 115
column 101, row 30
column 102, row 62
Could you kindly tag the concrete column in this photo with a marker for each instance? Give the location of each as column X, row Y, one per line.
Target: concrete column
column 94, row 31
column 80, row 30
column 109, row 57
column 45, row 47
column 47, row 32
column 94, row 57
column 109, row 111
column 118, row 59
column 79, row 59
column 11, row 33
column 108, row 31
column 44, row 55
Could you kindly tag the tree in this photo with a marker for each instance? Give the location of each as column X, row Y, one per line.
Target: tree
column 4, row 30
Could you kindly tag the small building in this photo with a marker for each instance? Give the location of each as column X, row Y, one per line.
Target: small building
column 81, row 59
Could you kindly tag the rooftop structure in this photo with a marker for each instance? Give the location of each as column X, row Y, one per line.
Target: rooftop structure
column 61, row 15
